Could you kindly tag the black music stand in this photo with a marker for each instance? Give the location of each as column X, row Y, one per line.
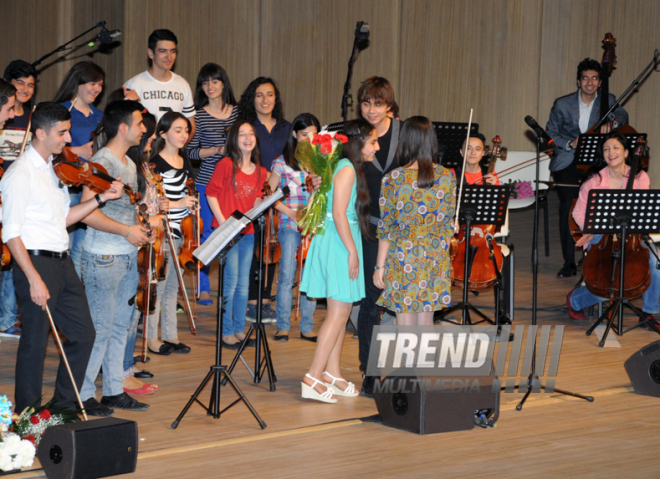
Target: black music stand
column 622, row 212
column 480, row 205
column 264, row 364
column 218, row 244
column 450, row 141
column 588, row 150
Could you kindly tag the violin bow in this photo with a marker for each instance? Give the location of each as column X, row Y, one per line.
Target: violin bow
column 27, row 132
column 460, row 190
column 179, row 274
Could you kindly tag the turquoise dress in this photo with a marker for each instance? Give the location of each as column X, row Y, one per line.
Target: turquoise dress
column 326, row 268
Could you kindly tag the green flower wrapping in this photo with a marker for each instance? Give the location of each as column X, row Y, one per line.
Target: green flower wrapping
column 320, row 157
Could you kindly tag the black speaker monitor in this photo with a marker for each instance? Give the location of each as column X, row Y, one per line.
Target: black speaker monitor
column 643, row 369
column 427, row 405
column 88, row 450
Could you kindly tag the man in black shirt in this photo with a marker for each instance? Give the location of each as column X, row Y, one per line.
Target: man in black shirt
column 376, row 97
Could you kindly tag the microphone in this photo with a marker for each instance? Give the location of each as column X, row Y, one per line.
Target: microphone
column 108, row 36
column 540, row 132
column 362, row 31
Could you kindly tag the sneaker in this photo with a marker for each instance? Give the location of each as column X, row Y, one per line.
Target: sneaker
column 94, row 408
column 251, row 313
column 574, row 314
column 123, row 401
column 268, row 314
column 12, row 332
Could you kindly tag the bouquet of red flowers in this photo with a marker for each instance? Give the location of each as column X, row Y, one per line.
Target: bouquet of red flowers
column 319, row 157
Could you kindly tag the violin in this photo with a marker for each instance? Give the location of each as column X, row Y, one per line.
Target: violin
column 485, row 253
column 145, row 297
column 601, row 267
column 496, row 151
column 158, row 246
column 191, row 229
column 272, row 251
column 71, row 171
column 301, row 251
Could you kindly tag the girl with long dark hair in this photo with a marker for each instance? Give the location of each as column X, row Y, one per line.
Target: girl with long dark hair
column 612, row 171
column 261, row 105
column 169, row 158
column 79, row 90
column 216, row 111
column 334, row 262
column 287, row 172
column 236, row 185
column 416, row 206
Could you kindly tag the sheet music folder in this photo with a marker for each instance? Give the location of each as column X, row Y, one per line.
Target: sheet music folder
column 237, row 222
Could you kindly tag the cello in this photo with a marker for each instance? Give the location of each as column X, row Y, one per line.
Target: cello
column 601, row 267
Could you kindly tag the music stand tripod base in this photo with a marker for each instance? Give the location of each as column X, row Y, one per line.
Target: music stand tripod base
column 480, row 205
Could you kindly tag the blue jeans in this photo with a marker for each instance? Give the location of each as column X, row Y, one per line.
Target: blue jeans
column 76, row 235
column 8, row 311
column 129, row 351
column 207, row 217
column 110, row 283
column 236, row 285
column 289, row 240
column 583, row 298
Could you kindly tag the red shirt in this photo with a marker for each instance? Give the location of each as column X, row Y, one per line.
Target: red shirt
column 239, row 198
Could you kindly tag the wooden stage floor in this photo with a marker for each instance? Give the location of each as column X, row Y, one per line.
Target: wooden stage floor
column 553, row 435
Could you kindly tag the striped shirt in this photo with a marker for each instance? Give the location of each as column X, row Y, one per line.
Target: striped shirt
column 211, row 132
column 174, row 183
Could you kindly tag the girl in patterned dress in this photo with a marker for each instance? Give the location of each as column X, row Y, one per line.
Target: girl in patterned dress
column 417, row 206
column 334, row 267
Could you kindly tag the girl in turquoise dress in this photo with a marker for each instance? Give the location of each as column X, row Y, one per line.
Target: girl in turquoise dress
column 333, row 269
column 417, row 207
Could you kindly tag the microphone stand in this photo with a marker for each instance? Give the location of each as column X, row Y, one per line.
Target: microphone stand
column 609, row 116
column 360, row 42
column 63, row 47
column 533, row 380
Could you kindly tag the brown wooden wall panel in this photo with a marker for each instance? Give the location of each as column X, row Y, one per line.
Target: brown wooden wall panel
column 479, row 54
column 223, row 32
column 504, row 58
column 306, row 47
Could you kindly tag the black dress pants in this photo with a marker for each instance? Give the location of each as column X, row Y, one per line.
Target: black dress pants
column 571, row 175
column 369, row 312
column 70, row 311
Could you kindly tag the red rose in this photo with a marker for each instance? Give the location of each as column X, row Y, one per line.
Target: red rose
column 45, row 414
column 326, row 148
column 34, row 419
column 316, row 140
column 30, row 438
column 341, row 138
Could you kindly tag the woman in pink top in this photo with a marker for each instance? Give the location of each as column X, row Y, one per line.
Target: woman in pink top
column 611, row 172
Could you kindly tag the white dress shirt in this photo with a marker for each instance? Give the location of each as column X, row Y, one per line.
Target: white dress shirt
column 35, row 207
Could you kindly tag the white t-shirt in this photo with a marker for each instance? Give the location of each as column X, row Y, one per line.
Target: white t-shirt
column 159, row 97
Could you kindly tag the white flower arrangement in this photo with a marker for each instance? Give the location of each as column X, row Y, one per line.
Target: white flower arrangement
column 15, row 453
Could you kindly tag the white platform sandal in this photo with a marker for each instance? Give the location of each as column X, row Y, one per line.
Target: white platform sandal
column 308, row 392
column 348, row 392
